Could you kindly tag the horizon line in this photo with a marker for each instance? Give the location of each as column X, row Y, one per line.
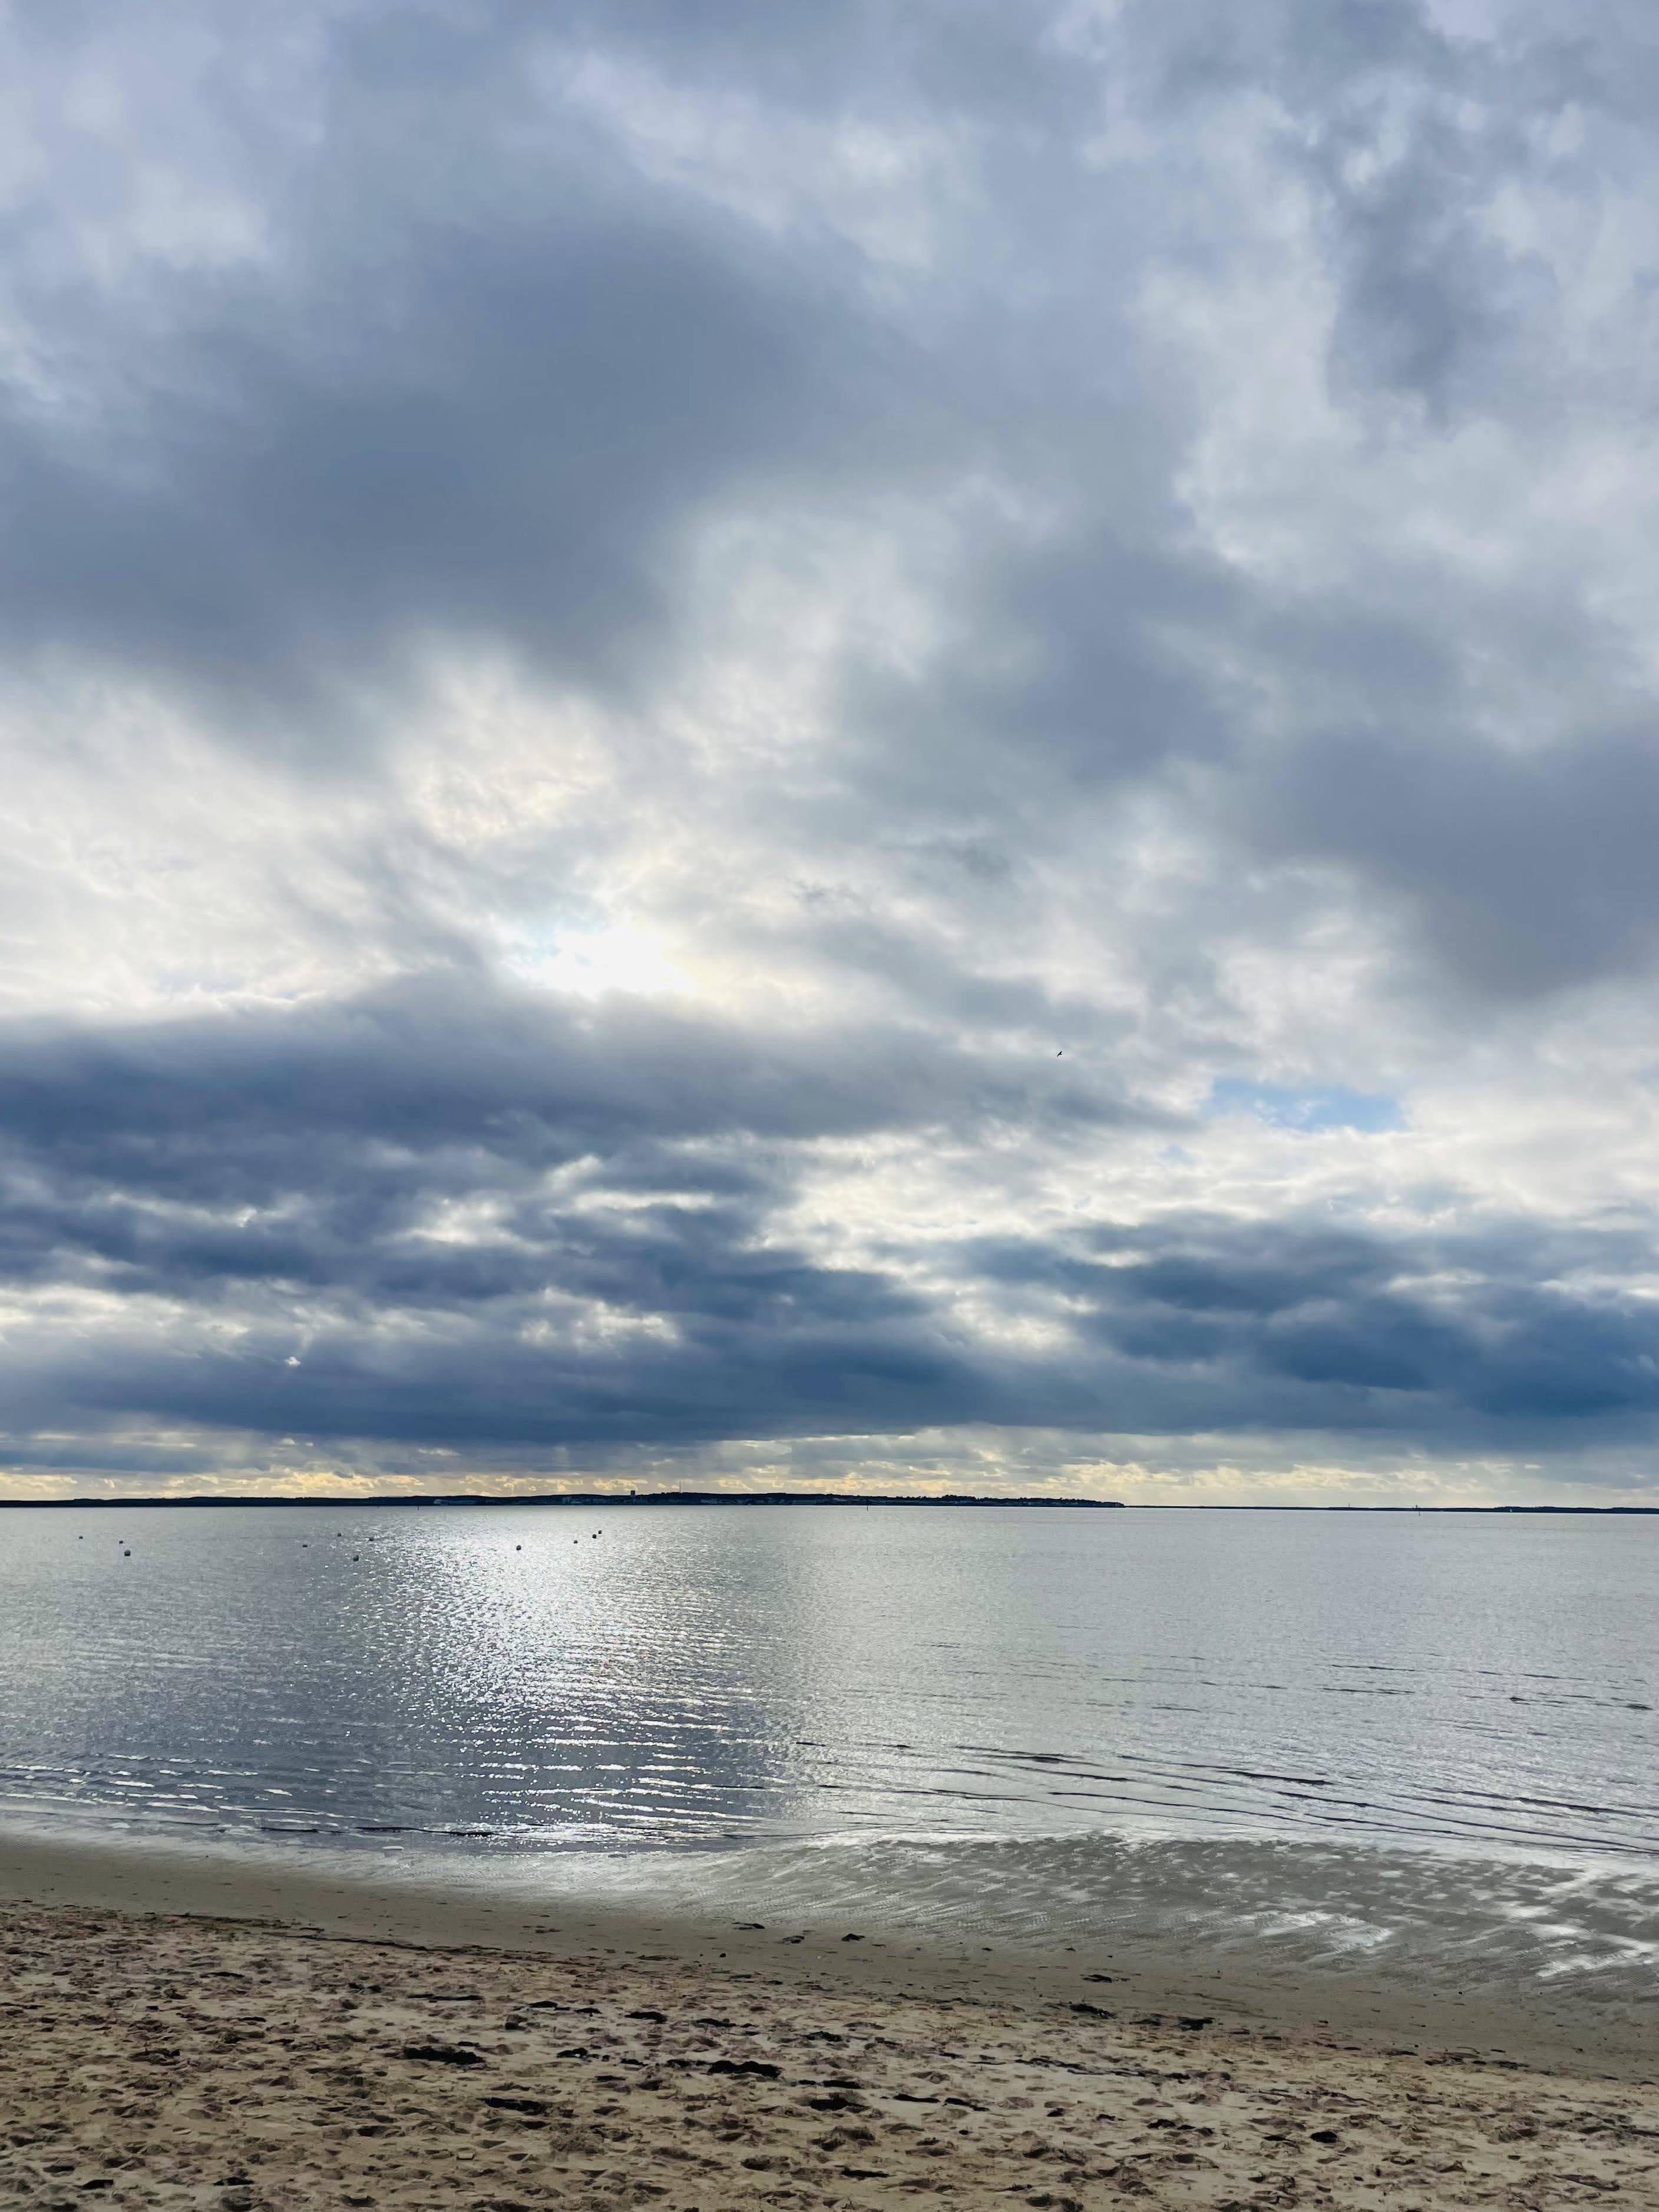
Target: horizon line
column 438, row 1500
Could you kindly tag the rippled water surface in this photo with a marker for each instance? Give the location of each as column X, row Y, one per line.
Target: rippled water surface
column 771, row 1674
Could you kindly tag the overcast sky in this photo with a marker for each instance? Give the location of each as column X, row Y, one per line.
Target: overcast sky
column 774, row 743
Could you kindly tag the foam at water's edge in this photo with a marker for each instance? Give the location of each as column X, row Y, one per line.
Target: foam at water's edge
column 1411, row 1913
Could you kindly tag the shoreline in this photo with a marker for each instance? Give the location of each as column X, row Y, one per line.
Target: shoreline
column 1125, row 1973
column 173, row 2060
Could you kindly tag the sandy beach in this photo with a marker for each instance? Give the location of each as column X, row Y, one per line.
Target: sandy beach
column 400, row 2051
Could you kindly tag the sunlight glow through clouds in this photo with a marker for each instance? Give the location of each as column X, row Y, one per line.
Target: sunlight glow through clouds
column 588, row 963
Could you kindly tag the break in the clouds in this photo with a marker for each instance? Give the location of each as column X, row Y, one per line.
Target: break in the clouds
column 759, row 743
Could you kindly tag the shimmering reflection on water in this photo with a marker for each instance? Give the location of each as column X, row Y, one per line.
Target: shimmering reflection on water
column 697, row 1677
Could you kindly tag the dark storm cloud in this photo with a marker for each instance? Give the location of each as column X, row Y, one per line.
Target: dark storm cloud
column 1481, row 1335
column 1432, row 306
column 299, row 1146
column 292, row 1172
column 765, row 1343
column 1073, row 675
column 135, row 1165
column 1526, row 872
column 459, row 1059
column 479, row 384
column 1405, row 136
column 503, row 455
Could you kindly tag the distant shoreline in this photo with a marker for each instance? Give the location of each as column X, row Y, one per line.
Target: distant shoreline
column 585, row 1497
column 381, row 1504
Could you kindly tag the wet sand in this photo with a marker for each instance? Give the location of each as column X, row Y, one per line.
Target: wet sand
column 178, row 2030
column 1452, row 1996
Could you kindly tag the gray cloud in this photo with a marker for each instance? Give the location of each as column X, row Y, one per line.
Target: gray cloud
column 482, row 434
column 1031, row 564
column 1528, row 873
column 615, row 1274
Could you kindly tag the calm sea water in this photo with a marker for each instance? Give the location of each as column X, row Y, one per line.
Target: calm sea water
column 1008, row 1704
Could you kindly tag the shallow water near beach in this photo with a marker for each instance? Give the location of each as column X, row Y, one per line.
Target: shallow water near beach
column 1339, row 1735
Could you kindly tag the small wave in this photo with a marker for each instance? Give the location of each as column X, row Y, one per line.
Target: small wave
column 1464, row 1922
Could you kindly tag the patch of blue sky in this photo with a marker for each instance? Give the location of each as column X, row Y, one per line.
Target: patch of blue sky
column 1285, row 1106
